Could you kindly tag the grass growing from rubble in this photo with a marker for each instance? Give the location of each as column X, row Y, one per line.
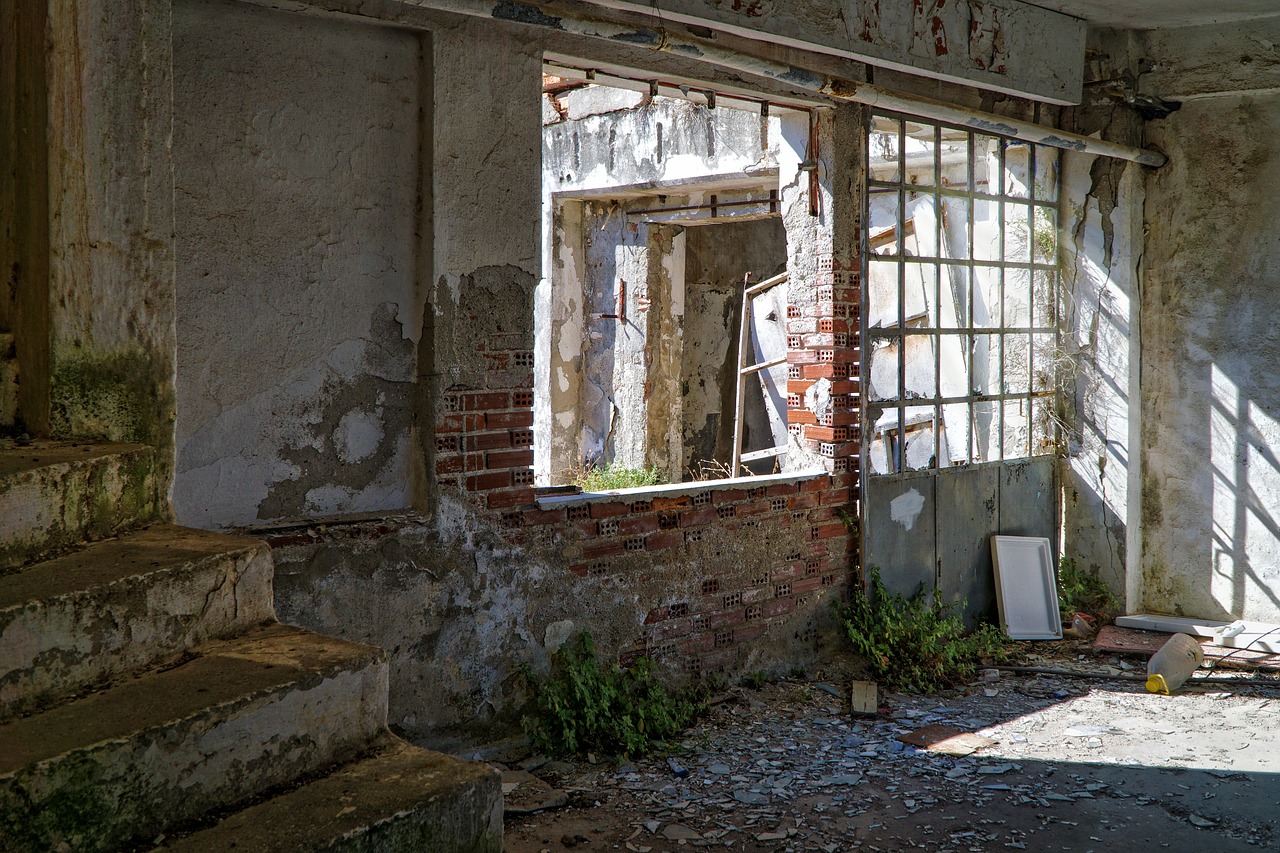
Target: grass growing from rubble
column 916, row 644
column 616, row 476
column 586, row 706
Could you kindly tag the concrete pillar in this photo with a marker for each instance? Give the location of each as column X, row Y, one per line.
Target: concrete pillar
column 822, row 175
column 664, row 350
column 110, row 195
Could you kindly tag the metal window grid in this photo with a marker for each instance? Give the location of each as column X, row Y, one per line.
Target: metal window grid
column 1000, row 326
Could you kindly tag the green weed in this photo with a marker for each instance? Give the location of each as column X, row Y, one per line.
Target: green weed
column 1086, row 591
column 585, row 706
column 914, row 644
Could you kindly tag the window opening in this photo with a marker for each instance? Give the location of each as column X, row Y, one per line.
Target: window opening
column 660, row 201
column 960, row 266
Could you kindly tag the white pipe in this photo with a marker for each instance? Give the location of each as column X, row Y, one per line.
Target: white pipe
column 801, row 78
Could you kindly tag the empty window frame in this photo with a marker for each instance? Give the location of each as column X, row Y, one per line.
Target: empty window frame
column 959, row 297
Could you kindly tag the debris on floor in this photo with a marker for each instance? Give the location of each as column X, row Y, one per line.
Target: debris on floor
column 1057, row 762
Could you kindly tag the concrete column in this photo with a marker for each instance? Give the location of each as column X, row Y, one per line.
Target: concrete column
column 557, row 386
column 664, row 351
column 822, row 184
column 111, row 269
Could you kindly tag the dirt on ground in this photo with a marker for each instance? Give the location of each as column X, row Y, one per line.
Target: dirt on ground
column 1018, row 761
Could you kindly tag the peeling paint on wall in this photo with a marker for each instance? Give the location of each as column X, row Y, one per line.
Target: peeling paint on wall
column 905, row 508
column 297, row 186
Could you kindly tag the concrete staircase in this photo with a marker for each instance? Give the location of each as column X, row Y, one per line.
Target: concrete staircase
column 148, row 697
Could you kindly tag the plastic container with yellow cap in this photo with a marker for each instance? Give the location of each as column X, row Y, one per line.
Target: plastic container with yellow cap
column 1170, row 667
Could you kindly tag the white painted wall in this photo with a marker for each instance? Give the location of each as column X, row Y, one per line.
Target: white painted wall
column 296, row 142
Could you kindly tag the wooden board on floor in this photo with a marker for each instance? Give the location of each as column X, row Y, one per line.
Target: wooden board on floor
column 1114, row 639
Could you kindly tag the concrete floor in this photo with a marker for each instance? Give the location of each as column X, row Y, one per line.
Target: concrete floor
column 1076, row 765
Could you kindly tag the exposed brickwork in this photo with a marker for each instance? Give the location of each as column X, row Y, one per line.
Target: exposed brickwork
column 710, row 630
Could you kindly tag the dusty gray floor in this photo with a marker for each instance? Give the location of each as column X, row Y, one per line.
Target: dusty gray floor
column 1076, row 765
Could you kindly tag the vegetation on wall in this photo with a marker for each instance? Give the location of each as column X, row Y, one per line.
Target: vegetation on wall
column 915, row 643
column 616, row 476
column 584, row 705
column 1083, row 591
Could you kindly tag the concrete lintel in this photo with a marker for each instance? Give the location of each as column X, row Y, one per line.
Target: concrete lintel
column 997, row 44
column 671, row 490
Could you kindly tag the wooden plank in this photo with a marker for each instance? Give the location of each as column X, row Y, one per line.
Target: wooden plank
column 764, row 365
column 764, row 454
column 1255, row 636
column 1170, row 624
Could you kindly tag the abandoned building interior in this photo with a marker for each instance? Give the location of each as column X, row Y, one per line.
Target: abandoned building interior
column 315, row 312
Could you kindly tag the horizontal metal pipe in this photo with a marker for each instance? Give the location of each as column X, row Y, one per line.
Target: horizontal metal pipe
column 801, row 78
column 757, row 202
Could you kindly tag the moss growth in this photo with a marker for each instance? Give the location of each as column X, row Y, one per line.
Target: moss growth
column 121, row 396
column 77, row 815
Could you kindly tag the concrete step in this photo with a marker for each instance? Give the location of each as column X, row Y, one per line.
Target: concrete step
column 57, row 494
column 397, row 797
column 243, row 716
column 122, row 605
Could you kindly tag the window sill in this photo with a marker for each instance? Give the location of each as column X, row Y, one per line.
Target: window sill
column 675, row 489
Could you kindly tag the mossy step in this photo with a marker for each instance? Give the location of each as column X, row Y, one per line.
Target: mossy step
column 396, row 798
column 57, row 494
column 124, row 604
column 242, row 717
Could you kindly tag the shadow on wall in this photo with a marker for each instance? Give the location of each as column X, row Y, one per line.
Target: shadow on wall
column 1211, row 391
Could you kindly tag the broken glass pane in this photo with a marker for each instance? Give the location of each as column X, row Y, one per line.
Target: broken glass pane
column 985, row 432
column 986, row 230
column 920, row 287
column 882, row 293
column 954, row 155
column 883, row 376
column 1044, row 238
column 1016, row 418
column 919, row 438
column 921, row 155
column 1017, row 233
column 953, row 304
column 955, row 432
column 1017, row 295
column 884, row 147
column 985, row 165
column 955, row 227
column 884, row 231
column 1017, row 169
column 922, row 239
column 987, row 296
column 921, row 380
column 984, row 365
column 1046, row 174
column 953, row 365
column 1016, row 364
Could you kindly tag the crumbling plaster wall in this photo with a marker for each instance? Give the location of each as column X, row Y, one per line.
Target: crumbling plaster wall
column 1101, row 253
column 724, row 580
column 297, row 181
column 1210, row 388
